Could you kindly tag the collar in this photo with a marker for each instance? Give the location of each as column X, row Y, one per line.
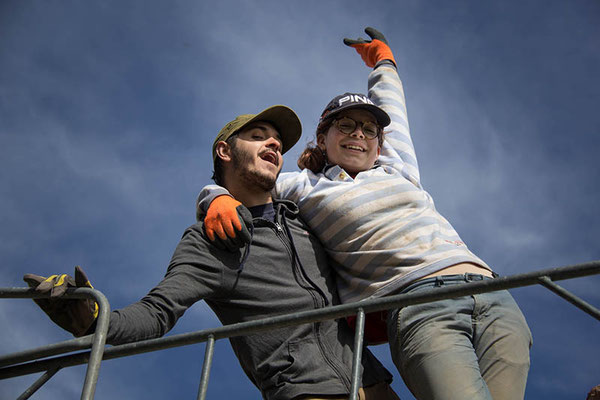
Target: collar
column 336, row 173
column 265, row 211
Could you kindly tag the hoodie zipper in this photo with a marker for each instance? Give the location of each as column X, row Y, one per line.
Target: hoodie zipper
column 288, row 246
column 316, row 325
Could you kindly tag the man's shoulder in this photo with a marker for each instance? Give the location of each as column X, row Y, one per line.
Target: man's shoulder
column 194, row 239
column 196, row 233
column 195, row 249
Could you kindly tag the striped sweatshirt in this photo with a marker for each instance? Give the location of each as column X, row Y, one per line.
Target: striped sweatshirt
column 381, row 228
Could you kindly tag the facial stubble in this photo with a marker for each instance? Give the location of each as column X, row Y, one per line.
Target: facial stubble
column 252, row 177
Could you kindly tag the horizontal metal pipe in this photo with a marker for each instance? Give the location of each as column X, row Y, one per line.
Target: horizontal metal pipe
column 84, row 342
column 334, row 312
column 97, row 341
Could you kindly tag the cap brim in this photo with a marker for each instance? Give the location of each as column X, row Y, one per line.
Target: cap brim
column 285, row 120
column 381, row 116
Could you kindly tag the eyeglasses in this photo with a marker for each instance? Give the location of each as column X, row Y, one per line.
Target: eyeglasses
column 348, row 125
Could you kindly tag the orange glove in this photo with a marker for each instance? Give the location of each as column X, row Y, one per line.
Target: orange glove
column 372, row 51
column 226, row 223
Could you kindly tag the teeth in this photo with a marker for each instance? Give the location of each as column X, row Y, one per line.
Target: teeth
column 354, row 147
column 269, row 158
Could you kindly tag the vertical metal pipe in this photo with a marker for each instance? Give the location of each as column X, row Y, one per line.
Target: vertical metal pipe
column 570, row 297
column 359, row 333
column 208, row 356
column 38, row 383
column 93, row 370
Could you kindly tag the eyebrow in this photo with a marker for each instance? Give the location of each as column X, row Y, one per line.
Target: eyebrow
column 262, row 125
column 357, row 118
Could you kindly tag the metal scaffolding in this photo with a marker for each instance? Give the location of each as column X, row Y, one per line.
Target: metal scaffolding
column 51, row 358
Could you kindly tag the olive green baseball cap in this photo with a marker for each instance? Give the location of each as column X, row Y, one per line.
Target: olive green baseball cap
column 283, row 119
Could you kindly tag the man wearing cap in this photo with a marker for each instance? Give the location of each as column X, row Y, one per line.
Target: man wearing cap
column 283, row 270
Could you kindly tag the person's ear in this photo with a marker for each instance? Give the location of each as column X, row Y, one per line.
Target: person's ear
column 321, row 141
column 223, row 151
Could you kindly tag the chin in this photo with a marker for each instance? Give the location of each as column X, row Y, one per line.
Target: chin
column 354, row 169
column 266, row 181
column 271, row 174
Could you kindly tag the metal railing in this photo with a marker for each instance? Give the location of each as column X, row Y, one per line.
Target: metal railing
column 36, row 360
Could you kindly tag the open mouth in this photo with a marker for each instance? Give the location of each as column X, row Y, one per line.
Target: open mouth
column 353, row 147
column 271, row 157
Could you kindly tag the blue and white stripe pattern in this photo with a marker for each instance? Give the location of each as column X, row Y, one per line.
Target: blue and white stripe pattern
column 381, row 228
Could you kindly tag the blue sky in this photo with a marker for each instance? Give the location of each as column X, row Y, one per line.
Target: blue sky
column 108, row 110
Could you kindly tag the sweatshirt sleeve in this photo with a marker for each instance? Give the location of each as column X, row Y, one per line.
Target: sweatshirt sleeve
column 193, row 274
column 290, row 186
column 386, row 90
column 206, row 196
column 293, row 186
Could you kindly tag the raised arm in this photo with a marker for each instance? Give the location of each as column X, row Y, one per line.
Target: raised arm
column 386, row 90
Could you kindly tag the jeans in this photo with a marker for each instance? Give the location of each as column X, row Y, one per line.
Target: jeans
column 472, row 347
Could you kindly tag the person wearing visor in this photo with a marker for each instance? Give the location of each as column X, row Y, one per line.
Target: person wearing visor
column 359, row 190
column 283, row 270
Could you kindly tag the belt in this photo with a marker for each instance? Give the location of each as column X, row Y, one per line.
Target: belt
column 441, row 280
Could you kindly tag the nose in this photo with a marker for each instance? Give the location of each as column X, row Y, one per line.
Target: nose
column 358, row 133
column 273, row 144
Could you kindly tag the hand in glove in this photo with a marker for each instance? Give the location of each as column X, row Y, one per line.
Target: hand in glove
column 73, row 315
column 226, row 223
column 374, row 50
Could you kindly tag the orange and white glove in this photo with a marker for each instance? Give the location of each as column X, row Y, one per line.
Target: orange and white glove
column 226, row 223
column 374, row 50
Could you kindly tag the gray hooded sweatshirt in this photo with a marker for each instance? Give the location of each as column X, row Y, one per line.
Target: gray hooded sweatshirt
column 284, row 270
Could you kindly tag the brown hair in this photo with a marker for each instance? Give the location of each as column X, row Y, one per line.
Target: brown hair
column 313, row 157
column 218, row 164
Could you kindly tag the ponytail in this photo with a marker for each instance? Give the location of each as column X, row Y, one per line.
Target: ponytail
column 313, row 157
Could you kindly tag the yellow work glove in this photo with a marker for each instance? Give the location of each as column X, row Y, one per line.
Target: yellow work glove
column 374, row 50
column 73, row 315
column 226, row 223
